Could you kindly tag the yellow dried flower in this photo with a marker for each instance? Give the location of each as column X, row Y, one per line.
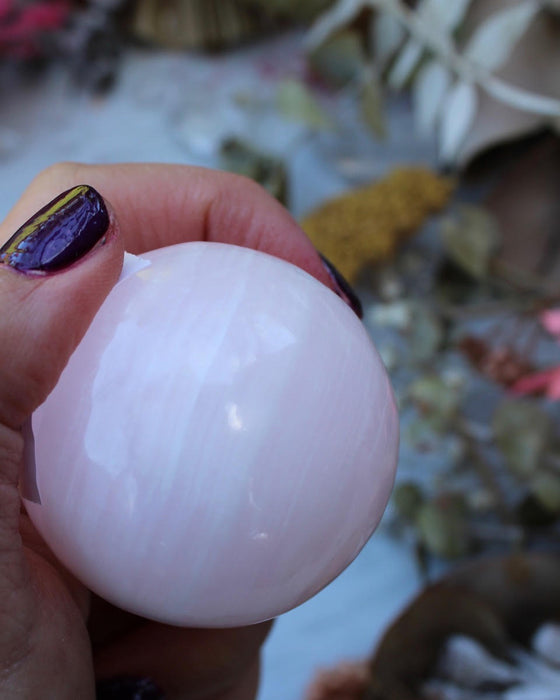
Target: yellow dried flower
column 365, row 225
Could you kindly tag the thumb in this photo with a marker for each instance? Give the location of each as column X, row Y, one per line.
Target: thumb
column 55, row 272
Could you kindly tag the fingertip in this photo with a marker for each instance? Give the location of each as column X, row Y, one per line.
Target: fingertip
column 55, row 272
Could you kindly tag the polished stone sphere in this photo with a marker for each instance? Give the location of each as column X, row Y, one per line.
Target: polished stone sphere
column 222, row 443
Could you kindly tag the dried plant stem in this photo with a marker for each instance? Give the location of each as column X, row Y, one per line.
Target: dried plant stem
column 442, row 47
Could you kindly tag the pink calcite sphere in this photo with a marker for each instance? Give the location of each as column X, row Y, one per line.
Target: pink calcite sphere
column 222, row 443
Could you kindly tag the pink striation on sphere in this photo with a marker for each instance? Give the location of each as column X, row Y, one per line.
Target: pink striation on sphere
column 222, row 443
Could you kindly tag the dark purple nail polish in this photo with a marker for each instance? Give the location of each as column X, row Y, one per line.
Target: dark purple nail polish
column 59, row 234
column 343, row 288
column 128, row 689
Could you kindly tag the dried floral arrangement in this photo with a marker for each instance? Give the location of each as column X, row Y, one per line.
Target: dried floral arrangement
column 470, row 334
column 86, row 36
column 465, row 61
column 480, row 71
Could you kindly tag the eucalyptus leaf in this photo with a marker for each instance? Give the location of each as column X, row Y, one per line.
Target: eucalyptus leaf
column 522, row 432
column 341, row 59
column 493, row 42
column 471, row 239
column 335, row 18
column 372, row 106
column 405, row 64
column 387, row 36
column 296, row 102
column 437, row 401
column 428, row 92
column 425, row 333
column 446, row 14
column 457, row 116
column 443, row 530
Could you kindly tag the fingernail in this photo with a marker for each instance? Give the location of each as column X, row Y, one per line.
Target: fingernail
column 343, row 288
column 128, row 689
column 59, row 234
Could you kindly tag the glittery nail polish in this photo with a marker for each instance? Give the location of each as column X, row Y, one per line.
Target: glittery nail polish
column 343, row 288
column 58, row 234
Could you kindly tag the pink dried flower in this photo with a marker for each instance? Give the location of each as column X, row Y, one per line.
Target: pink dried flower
column 23, row 26
column 546, row 382
column 551, row 321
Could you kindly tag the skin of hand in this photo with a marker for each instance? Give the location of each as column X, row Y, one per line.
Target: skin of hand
column 56, row 638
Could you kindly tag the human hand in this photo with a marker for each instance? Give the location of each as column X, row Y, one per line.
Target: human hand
column 56, row 638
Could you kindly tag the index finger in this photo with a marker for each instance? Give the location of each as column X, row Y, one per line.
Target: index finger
column 159, row 205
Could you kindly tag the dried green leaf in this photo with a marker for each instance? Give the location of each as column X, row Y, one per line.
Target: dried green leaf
column 408, row 498
column 493, row 42
column 387, row 35
column 371, row 99
column 296, row 102
column 340, row 60
column 446, row 15
column 425, row 333
column 405, row 64
column 339, row 15
column 546, row 489
column 435, row 400
column 457, row 115
column 443, row 530
column 522, row 431
column 428, row 92
column 243, row 159
column 471, row 239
